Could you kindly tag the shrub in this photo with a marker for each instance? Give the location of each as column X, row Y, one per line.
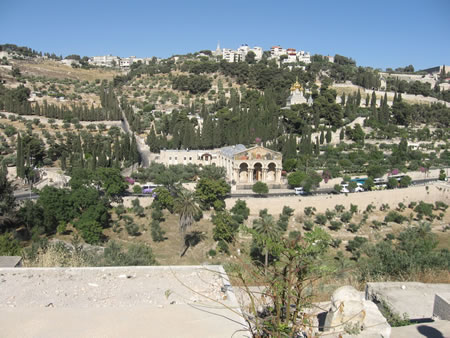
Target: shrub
column 309, row 211
column 132, row 229
column 353, row 227
column 222, row 246
column 335, row 225
column 321, row 219
column 91, row 231
column 156, row 231
column 308, row 225
column 330, row 214
column 336, row 242
column 439, row 205
column 260, row 188
column 212, row 253
column 120, row 210
column 384, row 207
column 370, row 208
column 424, row 209
column 355, row 245
column 137, row 189
column 376, row 225
column 346, row 217
column 394, row 216
column 401, row 207
column 339, row 208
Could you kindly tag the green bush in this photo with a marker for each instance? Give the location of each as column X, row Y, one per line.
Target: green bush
column 156, row 231
column 321, row 219
column 413, row 251
column 394, row 216
column 132, row 229
column 137, row 189
column 91, row 231
column 346, row 217
column 308, row 225
column 335, row 225
column 353, row 227
column 9, row 246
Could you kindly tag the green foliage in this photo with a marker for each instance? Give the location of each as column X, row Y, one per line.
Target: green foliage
column 164, row 199
column 9, row 246
column 321, row 219
column 394, row 216
column 260, row 188
column 308, row 225
column 209, row 191
column 355, row 245
column 439, row 205
column 134, row 255
column 394, row 319
column 91, row 231
column 346, row 217
column 296, row 178
column 137, row 189
column 353, row 227
column 309, row 211
column 392, row 183
column 335, row 225
column 405, row 181
column 7, row 201
column 132, row 229
column 424, row 209
column 225, row 227
column 413, row 251
column 240, row 211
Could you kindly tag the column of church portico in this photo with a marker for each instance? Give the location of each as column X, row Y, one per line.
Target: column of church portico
column 236, row 175
column 278, row 175
column 250, row 176
column 264, row 175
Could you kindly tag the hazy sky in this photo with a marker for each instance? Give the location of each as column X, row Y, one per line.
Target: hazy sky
column 375, row 33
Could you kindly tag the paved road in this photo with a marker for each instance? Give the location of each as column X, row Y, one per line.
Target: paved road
column 24, row 195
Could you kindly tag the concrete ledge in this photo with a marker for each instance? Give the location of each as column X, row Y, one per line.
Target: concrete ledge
column 441, row 307
column 411, row 298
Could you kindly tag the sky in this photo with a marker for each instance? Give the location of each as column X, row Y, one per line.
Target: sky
column 376, row 33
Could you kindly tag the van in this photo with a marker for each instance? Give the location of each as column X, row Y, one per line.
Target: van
column 299, row 191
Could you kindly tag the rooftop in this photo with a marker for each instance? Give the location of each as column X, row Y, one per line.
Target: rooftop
column 232, row 150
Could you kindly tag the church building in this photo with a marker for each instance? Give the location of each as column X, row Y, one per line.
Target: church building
column 243, row 166
column 297, row 97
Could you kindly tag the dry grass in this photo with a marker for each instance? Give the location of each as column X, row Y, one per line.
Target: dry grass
column 55, row 257
column 54, row 69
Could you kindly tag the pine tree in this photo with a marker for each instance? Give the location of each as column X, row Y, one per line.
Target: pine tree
column 341, row 134
column 322, row 137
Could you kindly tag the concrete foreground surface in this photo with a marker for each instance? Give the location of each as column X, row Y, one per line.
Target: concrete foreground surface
column 176, row 301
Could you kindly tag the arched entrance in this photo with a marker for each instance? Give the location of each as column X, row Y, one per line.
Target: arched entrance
column 243, row 173
column 257, row 172
column 271, row 171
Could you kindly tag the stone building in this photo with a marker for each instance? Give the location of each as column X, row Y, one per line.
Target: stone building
column 242, row 165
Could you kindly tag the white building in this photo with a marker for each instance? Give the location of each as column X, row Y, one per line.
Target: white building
column 105, row 60
column 303, row 56
column 232, row 55
column 277, row 51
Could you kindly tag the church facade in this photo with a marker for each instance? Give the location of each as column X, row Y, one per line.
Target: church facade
column 242, row 165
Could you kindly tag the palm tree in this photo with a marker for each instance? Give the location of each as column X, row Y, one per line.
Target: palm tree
column 186, row 207
column 268, row 230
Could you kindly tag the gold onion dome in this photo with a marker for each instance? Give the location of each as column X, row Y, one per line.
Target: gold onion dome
column 296, row 86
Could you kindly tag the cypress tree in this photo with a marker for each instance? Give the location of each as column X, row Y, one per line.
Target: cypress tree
column 20, row 169
column 328, row 136
column 322, row 137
